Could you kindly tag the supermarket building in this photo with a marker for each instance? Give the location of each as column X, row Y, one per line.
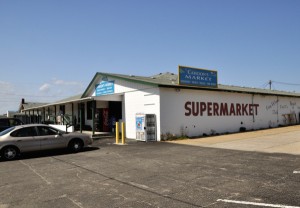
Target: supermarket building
column 154, row 108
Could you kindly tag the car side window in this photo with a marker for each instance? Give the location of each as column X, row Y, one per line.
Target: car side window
column 44, row 131
column 24, row 132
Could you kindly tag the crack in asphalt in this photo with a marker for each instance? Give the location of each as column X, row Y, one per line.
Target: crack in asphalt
column 128, row 183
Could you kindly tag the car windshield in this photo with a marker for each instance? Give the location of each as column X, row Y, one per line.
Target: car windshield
column 6, row 131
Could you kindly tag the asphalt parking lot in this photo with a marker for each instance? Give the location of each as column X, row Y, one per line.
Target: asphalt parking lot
column 151, row 175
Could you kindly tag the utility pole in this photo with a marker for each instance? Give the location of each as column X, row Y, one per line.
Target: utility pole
column 270, row 83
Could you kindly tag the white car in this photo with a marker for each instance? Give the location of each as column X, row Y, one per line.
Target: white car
column 35, row 137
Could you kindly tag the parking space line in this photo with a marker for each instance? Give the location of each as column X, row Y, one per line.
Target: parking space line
column 33, row 170
column 256, row 204
column 296, row 172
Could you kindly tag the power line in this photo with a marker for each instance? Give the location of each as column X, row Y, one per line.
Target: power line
column 271, row 85
column 27, row 95
column 285, row 83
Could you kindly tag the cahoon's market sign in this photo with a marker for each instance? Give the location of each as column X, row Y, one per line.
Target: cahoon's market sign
column 197, row 77
column 220, row 109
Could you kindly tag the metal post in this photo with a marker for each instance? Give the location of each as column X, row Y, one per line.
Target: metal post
column 25, row 117
column 123, row 133
column 44, row 112
column 117, row 132
column 38, row 116
column 48, row 115
column 55, row 114
column 72, row 122
column 93, row 117
column 80, row 116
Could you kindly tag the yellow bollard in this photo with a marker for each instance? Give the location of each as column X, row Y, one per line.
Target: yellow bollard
column 123, row 133
column 117, row 132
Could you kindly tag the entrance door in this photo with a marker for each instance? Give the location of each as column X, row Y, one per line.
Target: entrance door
column 102, row 120
column 115, row 113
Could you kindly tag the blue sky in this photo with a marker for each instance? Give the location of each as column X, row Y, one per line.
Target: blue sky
column 51, row 49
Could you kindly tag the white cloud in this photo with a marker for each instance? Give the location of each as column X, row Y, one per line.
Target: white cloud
column 67, row 88
column 45, row 87
column 66, row 83
column 48, row 91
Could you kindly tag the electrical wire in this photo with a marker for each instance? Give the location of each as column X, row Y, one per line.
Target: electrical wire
column 28, row 95
column 285, row 83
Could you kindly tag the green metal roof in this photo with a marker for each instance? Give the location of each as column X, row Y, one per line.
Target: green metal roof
column 76, row 98
column 167, row 79
column 171, row 80
column 32, row 105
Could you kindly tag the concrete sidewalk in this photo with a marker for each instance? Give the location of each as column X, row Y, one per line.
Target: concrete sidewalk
column 277, row 140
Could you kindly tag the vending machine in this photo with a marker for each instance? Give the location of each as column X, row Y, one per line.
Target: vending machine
column 145, row 127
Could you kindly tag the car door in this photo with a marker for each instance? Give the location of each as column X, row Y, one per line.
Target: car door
column 50, row 138
column 25, row 139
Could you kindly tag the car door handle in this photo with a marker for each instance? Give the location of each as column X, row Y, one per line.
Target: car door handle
column 19, row 140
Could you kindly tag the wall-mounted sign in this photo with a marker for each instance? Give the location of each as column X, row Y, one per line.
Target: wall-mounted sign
column 105, row 88
column 139, row 123
column 193, row 108
column 197, row 77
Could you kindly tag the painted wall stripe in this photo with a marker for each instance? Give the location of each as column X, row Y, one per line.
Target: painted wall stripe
column 256, row 204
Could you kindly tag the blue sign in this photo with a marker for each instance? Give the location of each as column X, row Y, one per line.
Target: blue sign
column 197, row 77
column 105, row 88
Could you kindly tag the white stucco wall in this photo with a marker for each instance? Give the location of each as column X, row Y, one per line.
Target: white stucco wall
column 177, row 116
column 141, row 102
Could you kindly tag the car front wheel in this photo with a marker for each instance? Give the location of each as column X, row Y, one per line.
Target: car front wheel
column 9, row 153
column 76, row 145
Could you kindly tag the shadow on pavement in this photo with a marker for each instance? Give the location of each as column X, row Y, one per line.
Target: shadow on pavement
column 49, row 153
